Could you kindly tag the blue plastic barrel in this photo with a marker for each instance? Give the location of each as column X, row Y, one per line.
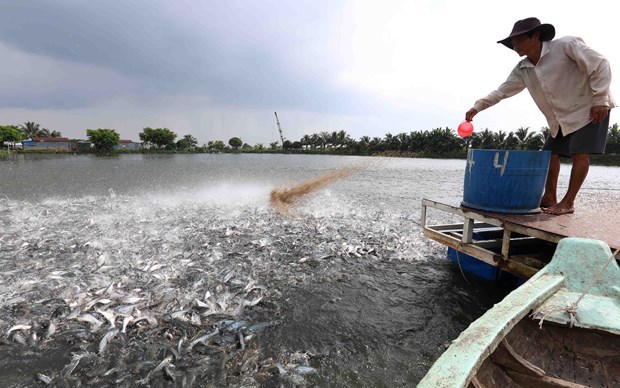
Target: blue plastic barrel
column 505, row 181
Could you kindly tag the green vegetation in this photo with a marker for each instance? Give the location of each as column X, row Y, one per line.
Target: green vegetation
column 188, row 143
column 31, row 129
column 216, row 146
column 103, row 140
column 158, row 137
column 235, row 142
column 10, row 134
column 434, row 143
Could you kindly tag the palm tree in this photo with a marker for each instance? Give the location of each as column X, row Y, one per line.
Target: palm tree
column 30, row 129
column 305, row 141
column 342, row 138
column 334, row 140
column 525, row 137
column 613, row 140
column 325, row 138
column 388, row 142
column 191, row 141
column 499, row 139
column 511, row 142
column 315, row 140
column 364, row 144
column 613, row 135
column 47, row 133
column 418, row 141
column 483, row 139
column 402, row 139
column 376, row 144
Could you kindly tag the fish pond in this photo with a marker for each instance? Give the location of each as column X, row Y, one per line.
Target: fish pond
column 175, row 270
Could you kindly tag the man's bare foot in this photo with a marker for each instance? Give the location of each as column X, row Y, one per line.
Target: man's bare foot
column 558, row 209
column 546, row 203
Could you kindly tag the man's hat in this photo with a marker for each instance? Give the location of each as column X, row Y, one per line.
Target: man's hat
column 547, row 31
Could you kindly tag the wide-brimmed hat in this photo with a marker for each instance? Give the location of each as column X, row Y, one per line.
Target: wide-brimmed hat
column 547, row 31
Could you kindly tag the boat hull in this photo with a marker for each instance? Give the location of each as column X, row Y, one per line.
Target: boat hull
column 552, row 356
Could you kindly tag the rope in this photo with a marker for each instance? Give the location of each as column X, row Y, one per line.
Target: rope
column 611, row 257
column 571, row 309
column 458, row 260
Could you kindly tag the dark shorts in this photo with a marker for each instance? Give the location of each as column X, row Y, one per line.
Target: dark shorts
column 590, row 139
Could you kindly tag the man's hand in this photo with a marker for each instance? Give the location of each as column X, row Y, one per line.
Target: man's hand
column 598, row 113
column 469, row 116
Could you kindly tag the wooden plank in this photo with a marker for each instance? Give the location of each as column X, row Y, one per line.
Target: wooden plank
column 506, row 243
column 461, row 212
column 529, row 261
column 482, row 254
column 468, row 230
column 480, row 226
column 599, row 223
column 536, row 234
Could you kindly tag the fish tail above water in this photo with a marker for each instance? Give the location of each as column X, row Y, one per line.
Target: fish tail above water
column 107, row 337
column 166, row 361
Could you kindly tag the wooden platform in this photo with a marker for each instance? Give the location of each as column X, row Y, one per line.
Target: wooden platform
column 517, row 243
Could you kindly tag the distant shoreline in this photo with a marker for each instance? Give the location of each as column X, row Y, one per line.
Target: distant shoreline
column 612, row 160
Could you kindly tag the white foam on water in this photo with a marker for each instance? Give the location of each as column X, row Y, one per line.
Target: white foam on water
column 225, row 194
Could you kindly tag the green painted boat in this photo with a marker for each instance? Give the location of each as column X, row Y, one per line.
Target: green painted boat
column 559, row 329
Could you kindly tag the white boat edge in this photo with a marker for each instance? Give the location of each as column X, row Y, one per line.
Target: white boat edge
column 575, row 264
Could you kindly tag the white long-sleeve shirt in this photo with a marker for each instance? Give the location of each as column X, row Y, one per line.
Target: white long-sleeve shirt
column 567, row 81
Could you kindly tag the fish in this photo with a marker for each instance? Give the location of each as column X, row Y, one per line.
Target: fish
column 44, row 379
column 250, row 303
column 165, row 362
column 256, row 327
column 107, row 337
column 241, row 341
column 106, row 290
column 109, row 316
column 95, row 302
column 203, row 339
column 19, row 338
column 74, row 313
column 155, row 267
column 126, row 321
column 51, row 329
column 70, row 367
column 94, row 322
column 132, row 299
column 230, row 325
column 19, row 327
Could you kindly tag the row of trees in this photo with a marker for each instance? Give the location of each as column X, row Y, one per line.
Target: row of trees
column 105, row 140
column 438, row 141
column 28, row 130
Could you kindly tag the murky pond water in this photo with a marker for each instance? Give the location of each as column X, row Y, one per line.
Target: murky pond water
column 175, row 271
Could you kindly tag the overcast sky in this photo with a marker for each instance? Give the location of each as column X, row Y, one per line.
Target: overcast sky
column 217, row 69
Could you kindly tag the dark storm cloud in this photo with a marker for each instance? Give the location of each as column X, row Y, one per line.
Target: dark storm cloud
column 242, row 53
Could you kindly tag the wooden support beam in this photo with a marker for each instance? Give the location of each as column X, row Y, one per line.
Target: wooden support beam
column 468, row 230
column 506, row 244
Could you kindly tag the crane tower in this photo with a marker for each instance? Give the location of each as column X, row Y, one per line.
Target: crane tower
column 279, row 129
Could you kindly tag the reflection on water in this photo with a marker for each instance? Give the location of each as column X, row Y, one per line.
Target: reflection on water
column 175, row 271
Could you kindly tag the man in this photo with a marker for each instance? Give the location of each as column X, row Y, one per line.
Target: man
column 570, row 84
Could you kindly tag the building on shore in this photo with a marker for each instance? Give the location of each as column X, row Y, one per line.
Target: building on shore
column 63, row 143
column 50, row 143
